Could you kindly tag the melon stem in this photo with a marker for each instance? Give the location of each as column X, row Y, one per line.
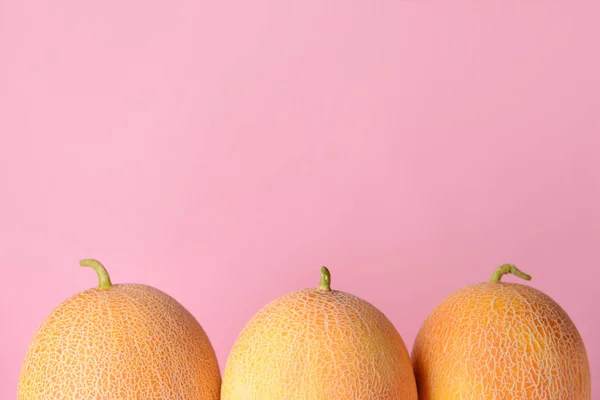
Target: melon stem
column 508, row 269
column 325, row 284
column 103, row 278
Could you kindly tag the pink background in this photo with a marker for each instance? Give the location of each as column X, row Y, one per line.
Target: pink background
column 222, row 151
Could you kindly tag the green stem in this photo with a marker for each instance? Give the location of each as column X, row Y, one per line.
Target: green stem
column 508, row 269
column 103, row 278
column 325, row 284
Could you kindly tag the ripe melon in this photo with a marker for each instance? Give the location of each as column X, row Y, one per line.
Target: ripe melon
column 119, row 342
column 499, row 340
column 319, row 344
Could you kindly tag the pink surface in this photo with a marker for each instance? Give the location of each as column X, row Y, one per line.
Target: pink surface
column 223, row 151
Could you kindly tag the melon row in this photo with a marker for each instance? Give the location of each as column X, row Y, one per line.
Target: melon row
column 491, row 340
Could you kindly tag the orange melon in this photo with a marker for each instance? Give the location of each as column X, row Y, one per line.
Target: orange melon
column 499, row 340
column 118, row 342
column 319, row 344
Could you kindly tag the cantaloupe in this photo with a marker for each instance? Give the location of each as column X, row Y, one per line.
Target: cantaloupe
column 503, row 341
column 319, row 344
column 119, row 342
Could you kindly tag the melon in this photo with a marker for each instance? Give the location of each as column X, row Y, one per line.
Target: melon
column 119, row 342
column 319, row 344
column 498, row 340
